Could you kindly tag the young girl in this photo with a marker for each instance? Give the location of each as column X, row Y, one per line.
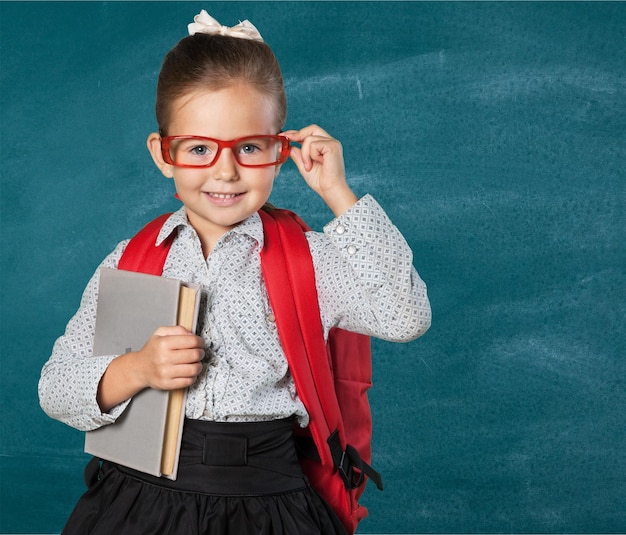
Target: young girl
column 220, row 109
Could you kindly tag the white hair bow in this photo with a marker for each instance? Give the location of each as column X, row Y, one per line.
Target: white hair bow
column 204, row 23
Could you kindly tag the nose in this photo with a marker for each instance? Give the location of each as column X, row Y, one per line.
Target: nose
column 225, row 168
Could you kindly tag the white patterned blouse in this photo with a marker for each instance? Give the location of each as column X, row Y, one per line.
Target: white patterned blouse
column 365, row 281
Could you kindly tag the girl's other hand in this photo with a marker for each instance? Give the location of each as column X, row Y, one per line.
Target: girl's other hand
column 170, row 359
column 320, row 162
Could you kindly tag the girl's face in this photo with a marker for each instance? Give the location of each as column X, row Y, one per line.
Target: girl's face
column 219, row 197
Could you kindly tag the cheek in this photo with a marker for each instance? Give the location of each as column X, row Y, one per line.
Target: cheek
column 263, row 189
column 263, row 178
column 187, row 180
column 269, row 181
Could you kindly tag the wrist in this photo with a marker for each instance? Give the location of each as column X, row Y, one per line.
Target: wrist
column 120, row 381
column 340, row 199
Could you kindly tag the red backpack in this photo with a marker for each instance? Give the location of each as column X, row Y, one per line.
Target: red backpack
column 331, row 378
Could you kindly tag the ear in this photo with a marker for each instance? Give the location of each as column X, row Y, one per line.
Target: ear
column 154, row 146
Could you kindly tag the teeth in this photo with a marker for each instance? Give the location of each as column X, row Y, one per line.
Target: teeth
column 223, row 195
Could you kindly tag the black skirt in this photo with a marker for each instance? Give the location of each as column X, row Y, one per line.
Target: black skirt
column 235, row 479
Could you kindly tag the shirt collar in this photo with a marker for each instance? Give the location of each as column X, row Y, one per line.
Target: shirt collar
column 252, row 226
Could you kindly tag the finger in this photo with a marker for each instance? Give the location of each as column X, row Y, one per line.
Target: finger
column 291, row 134
column 320, row 149
column 171, row 330
column 177, row 357
column 189, row 341
column 296, row 155
column 180, row 365
column 303, row 163
column 187, row 371
column 190, row 356
column 176, row 383
column 182, row 341
column 308, row 131
column 313, row 150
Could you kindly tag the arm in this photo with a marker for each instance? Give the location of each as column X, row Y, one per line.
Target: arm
column 365, row 277
column 69, row 379
column 87, row 391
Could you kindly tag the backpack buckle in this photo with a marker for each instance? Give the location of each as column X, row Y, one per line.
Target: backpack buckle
column 352, row 478
column 350, row 466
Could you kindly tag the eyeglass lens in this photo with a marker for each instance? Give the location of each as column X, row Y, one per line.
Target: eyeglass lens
column 260, row 150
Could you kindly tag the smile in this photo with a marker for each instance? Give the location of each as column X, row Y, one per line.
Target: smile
column 223, row 195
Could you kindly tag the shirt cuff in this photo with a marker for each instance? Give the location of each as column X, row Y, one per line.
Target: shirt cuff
column 361, row 224
column 96, row 417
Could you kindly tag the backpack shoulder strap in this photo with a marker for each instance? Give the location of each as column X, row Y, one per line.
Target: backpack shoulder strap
column 289, row 275
column 141, row 253
column 290, row 279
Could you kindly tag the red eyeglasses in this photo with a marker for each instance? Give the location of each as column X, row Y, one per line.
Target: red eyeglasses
column 249, row 151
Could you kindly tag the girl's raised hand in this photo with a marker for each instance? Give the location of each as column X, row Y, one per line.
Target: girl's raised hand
column 320, row 162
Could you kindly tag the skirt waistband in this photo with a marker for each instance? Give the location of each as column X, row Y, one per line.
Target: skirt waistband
column 233, row 459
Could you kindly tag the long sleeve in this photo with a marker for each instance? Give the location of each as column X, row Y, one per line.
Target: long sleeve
column 69, row 380
column 366, row 281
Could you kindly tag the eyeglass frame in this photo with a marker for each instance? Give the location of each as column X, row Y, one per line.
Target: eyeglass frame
column 221, row 144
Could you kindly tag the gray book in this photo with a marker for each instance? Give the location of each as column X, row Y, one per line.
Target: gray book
column 131, row 306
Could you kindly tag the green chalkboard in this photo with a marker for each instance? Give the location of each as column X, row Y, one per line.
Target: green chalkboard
column 494, row 133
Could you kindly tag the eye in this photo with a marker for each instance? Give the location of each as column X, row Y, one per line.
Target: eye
column 249, row 148
column 200, row 150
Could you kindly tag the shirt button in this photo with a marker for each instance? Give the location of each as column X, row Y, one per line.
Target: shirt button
column 340, row 229
column 271, row 318
column 352, row 250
